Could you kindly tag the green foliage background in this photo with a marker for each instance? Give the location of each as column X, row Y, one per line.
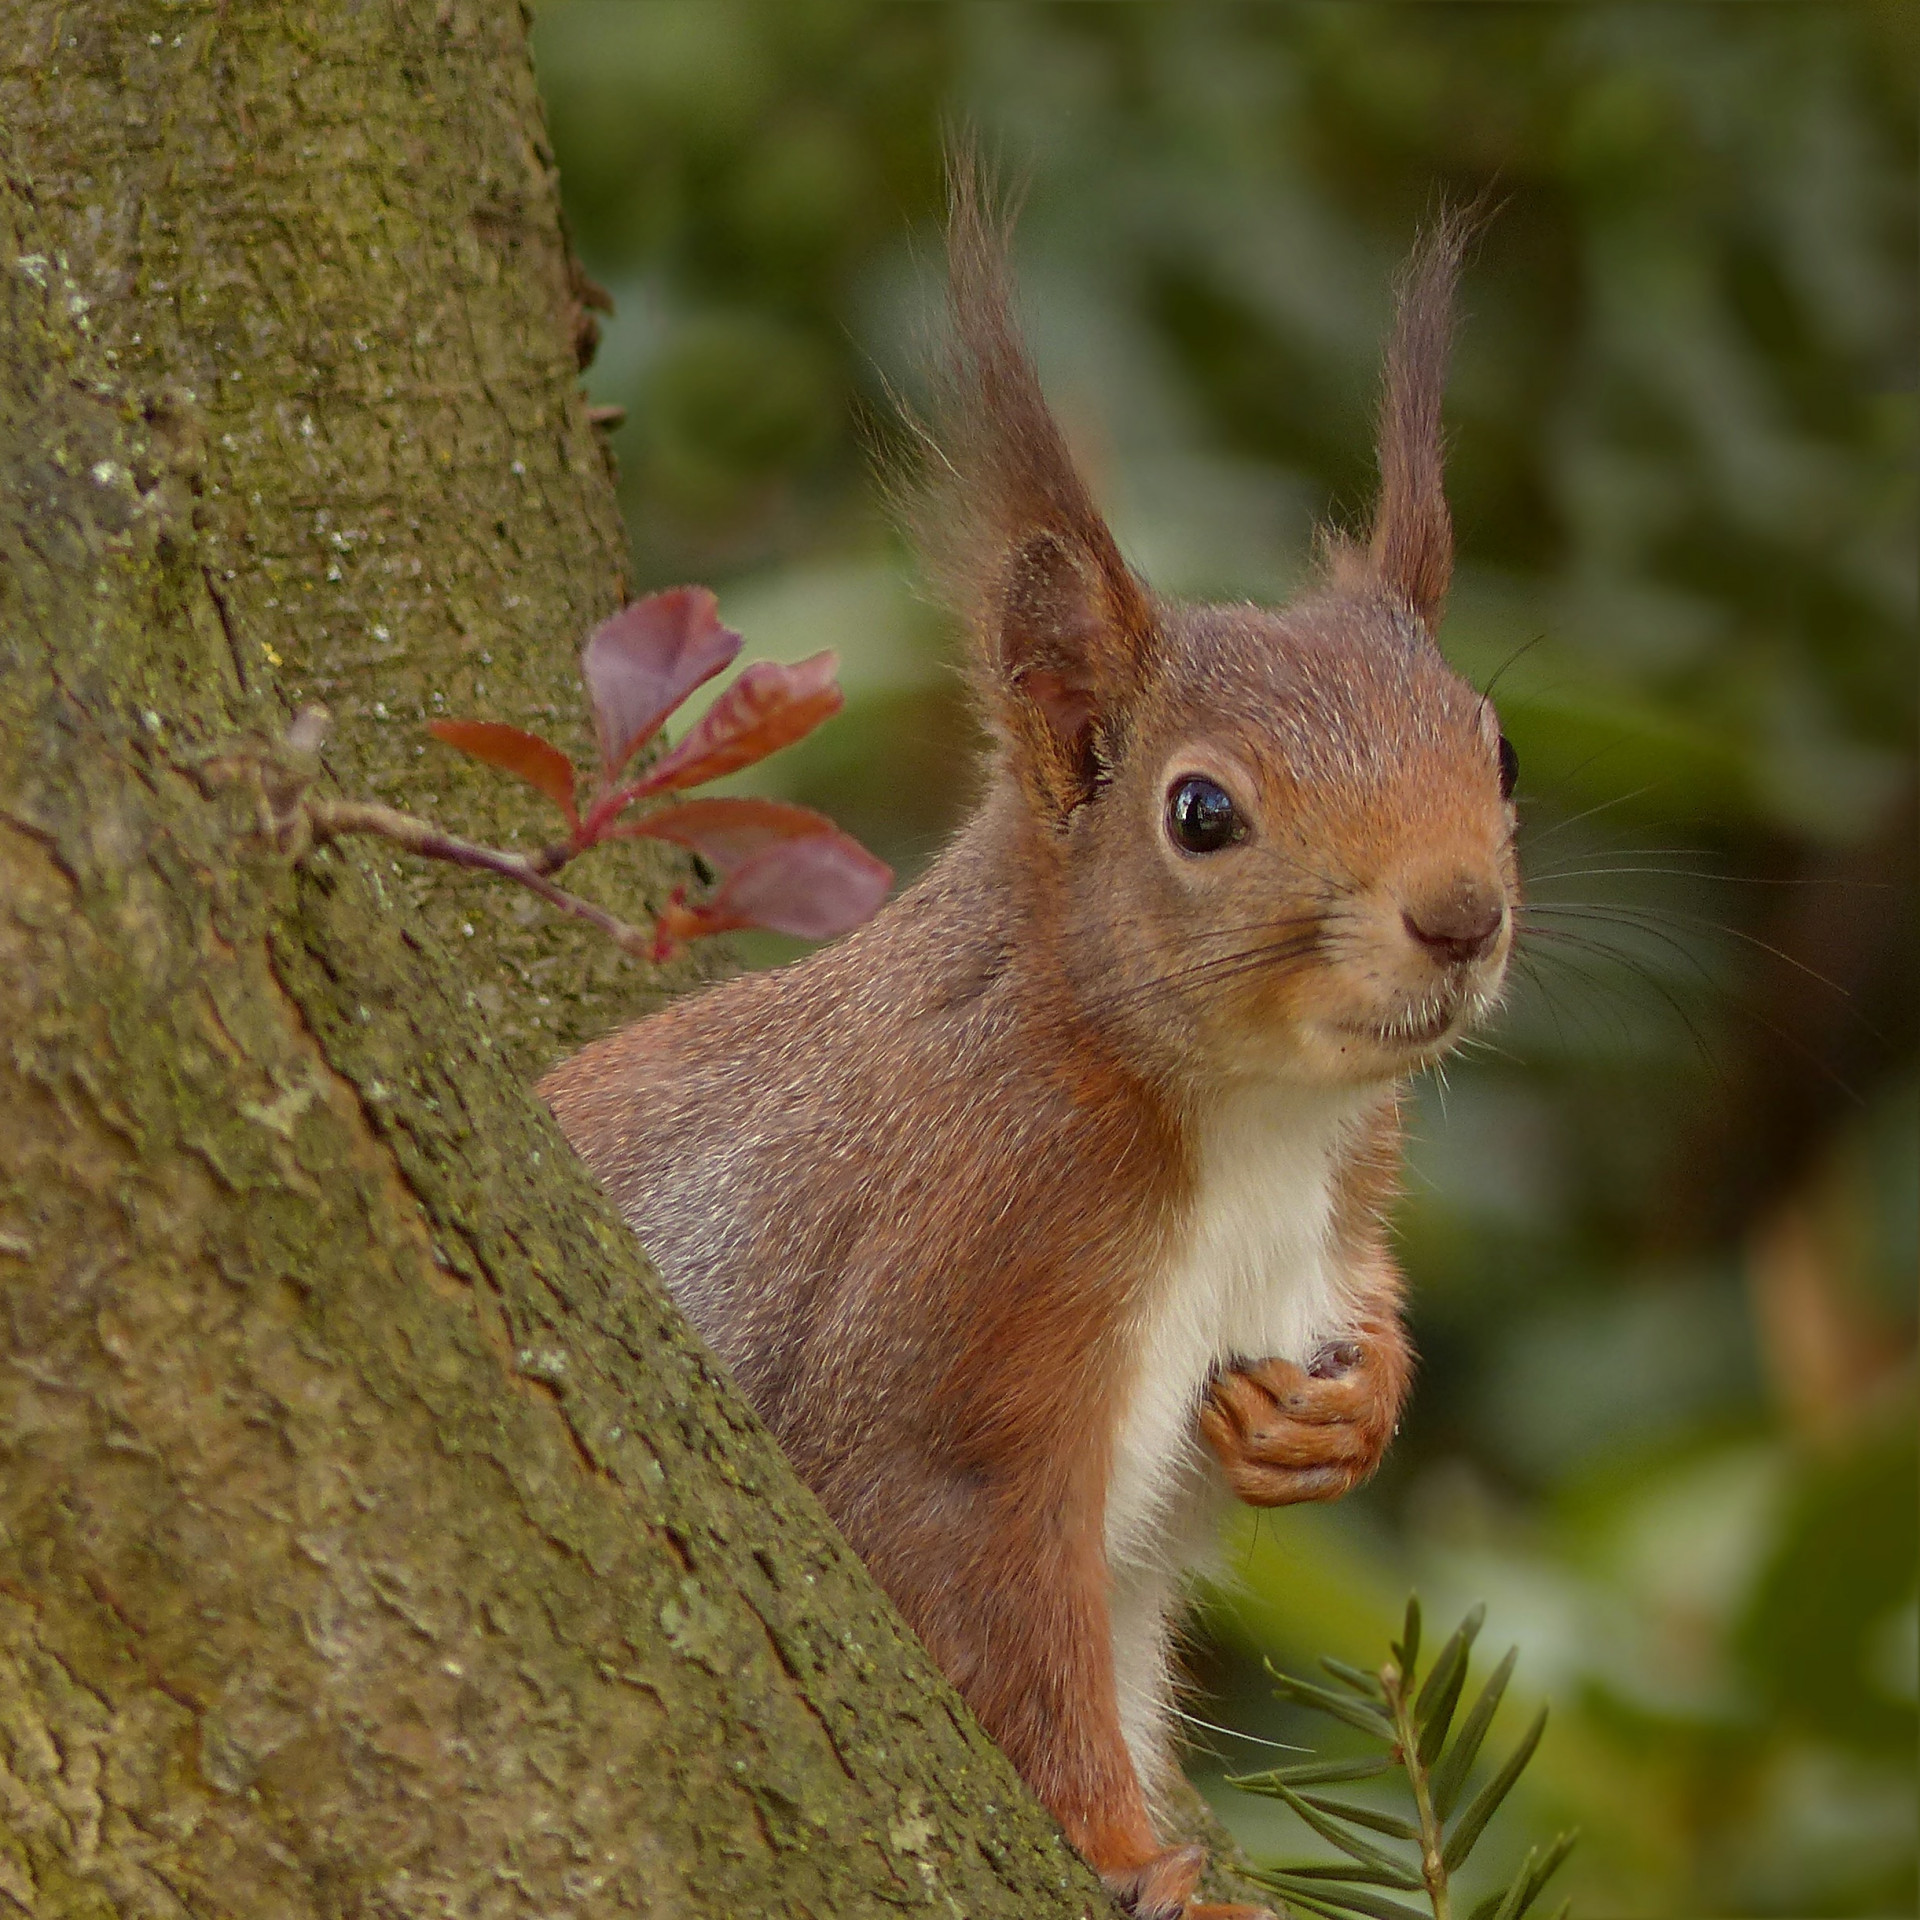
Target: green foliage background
column 1661, row 1233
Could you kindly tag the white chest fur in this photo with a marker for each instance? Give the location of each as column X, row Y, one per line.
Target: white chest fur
column 1249, row 1276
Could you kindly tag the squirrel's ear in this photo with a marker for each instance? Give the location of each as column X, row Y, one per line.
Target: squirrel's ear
column 1063, row 630
column 1410, row 549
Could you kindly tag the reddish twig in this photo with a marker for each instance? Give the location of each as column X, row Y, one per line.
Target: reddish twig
column 292, row 820
column 336, row 819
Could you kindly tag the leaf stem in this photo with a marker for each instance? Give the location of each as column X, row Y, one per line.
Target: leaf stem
column 1433, row 1867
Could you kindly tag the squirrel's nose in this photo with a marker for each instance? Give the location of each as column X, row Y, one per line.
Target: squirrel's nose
column 1458, row 923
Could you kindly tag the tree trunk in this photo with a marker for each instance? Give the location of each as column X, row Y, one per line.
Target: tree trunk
column 374, row 1538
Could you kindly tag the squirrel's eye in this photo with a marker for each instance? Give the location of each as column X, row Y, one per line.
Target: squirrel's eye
column 1509, row 768
column 1201, row 816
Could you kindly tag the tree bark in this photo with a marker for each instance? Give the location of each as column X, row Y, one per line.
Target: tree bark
column 374, row 1537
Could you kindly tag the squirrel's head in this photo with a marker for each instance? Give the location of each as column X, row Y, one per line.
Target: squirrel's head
column 1269, row 840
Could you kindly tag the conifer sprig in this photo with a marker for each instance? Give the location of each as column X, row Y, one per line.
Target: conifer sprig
column 1387, row 1853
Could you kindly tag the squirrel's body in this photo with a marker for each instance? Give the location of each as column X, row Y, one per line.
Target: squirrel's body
column 806, row 1211
column 1051, row 1204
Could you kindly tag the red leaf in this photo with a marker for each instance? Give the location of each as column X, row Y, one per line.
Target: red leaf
column 768, row 707
column 727, row 832
column 814, row 887
column 642, row 663
column 537, row 761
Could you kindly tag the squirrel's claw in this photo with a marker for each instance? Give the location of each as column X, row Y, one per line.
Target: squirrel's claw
column 1286, row 1434
column 1158, row 1889
column 1162, row 1889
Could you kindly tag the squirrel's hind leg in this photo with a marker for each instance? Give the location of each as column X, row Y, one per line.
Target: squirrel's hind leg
column 1026, row 1633
column 1163, row 1888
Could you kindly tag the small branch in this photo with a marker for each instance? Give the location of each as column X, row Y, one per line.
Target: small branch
column 336, row 819
column 291, row 820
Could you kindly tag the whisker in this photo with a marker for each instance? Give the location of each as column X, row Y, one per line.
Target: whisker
column 1286, row 925
column 1788, row 1040
column 1473, row 1043
column 1476, row 1043
column 1605, row 997
column 1642, row 853
column 1636, row 965
column 1791, row 1041
column 1626, row 911
column 1224, row 966
column 1513, row 659
column 1586, row 813
column 1521, row 968
column 1672, row 942
column 1234, row 1733
column 1530, row 965
column 1699, row 873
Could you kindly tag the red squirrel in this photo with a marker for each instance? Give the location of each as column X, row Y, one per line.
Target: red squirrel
column 1052, row 1200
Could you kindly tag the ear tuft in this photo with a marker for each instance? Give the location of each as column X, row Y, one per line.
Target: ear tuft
column 1410, row 550
column 1063, row 631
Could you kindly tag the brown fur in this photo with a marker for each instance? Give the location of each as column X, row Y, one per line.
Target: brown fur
column 918, row 1189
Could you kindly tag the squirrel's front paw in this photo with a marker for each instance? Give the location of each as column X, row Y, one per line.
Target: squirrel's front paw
column 1286, row 1433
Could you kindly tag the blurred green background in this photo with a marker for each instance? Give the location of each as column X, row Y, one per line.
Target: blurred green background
column 1661, row 1231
